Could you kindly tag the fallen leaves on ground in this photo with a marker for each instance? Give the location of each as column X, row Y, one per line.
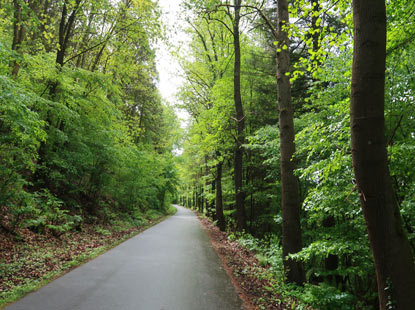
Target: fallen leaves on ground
column 245, row 271
column 36, row 255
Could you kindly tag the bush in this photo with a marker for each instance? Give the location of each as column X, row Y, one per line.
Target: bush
column 325, row 297
column 48, row 215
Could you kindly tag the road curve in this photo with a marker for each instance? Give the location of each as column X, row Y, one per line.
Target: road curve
column 171, row 266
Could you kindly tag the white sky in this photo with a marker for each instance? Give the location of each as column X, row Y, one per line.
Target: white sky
column 168, row 67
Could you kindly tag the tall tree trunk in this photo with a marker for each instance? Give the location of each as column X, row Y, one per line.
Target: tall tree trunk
column 65, row 30
column 189, row 198
column 394, row 262
column 19, row 33
column 291, row 228
column 194, row 200
column 62, row 30
column 219, row 199
column 202, row 199
column 240, row 119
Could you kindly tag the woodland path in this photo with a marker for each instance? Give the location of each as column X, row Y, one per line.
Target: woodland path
column 171, row 266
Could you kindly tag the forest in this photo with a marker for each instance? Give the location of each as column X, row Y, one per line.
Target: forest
column 83, row 127
column 299, row 141
column 86, row 139
column 271, row 154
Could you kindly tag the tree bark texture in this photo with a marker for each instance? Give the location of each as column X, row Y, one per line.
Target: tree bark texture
column 219, row 199
column 394, row 262
column 19, row 33
column 240, row 119
column 65, row 30
column 291, row 205
column 66, row 26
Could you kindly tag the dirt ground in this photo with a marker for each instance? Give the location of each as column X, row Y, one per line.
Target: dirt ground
column 244, row 269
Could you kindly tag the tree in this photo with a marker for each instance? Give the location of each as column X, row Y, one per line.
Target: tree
column 19, row 32
column 291, row 205
column 219, row 196
column 216, row 28
column 66, row 26
column 240, row 119
column 101, row 145
column 394, row 261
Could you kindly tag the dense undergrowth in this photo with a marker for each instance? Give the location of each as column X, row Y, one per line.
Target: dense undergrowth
column 317, row 296
column 258, row 267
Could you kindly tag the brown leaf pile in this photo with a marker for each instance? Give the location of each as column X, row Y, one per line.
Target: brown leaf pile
column 244, row 270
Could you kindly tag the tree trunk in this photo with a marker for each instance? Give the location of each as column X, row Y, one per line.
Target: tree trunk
column 194, row 203
column 240, row 119
column 394, row 262
column 19, row 33
column 291, row 228
column 201, row 199
column 219, row 199
column 65, row 30
column 62, row 26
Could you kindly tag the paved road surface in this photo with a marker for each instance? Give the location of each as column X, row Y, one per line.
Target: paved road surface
column 170, row 266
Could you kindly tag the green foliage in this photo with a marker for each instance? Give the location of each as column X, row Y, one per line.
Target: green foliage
column 153, row 214
column 322, row 296
column 332, row 223
column 22, row 131
column 91, row 138
column 47, row 215
column 325, row 297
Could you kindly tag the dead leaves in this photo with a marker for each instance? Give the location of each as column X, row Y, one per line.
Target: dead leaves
column 244, row 269
column 37, row 255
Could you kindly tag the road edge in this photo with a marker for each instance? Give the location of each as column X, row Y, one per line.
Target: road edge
column 35, row 285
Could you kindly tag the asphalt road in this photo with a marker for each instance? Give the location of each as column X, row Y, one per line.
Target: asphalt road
column 171, row 266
